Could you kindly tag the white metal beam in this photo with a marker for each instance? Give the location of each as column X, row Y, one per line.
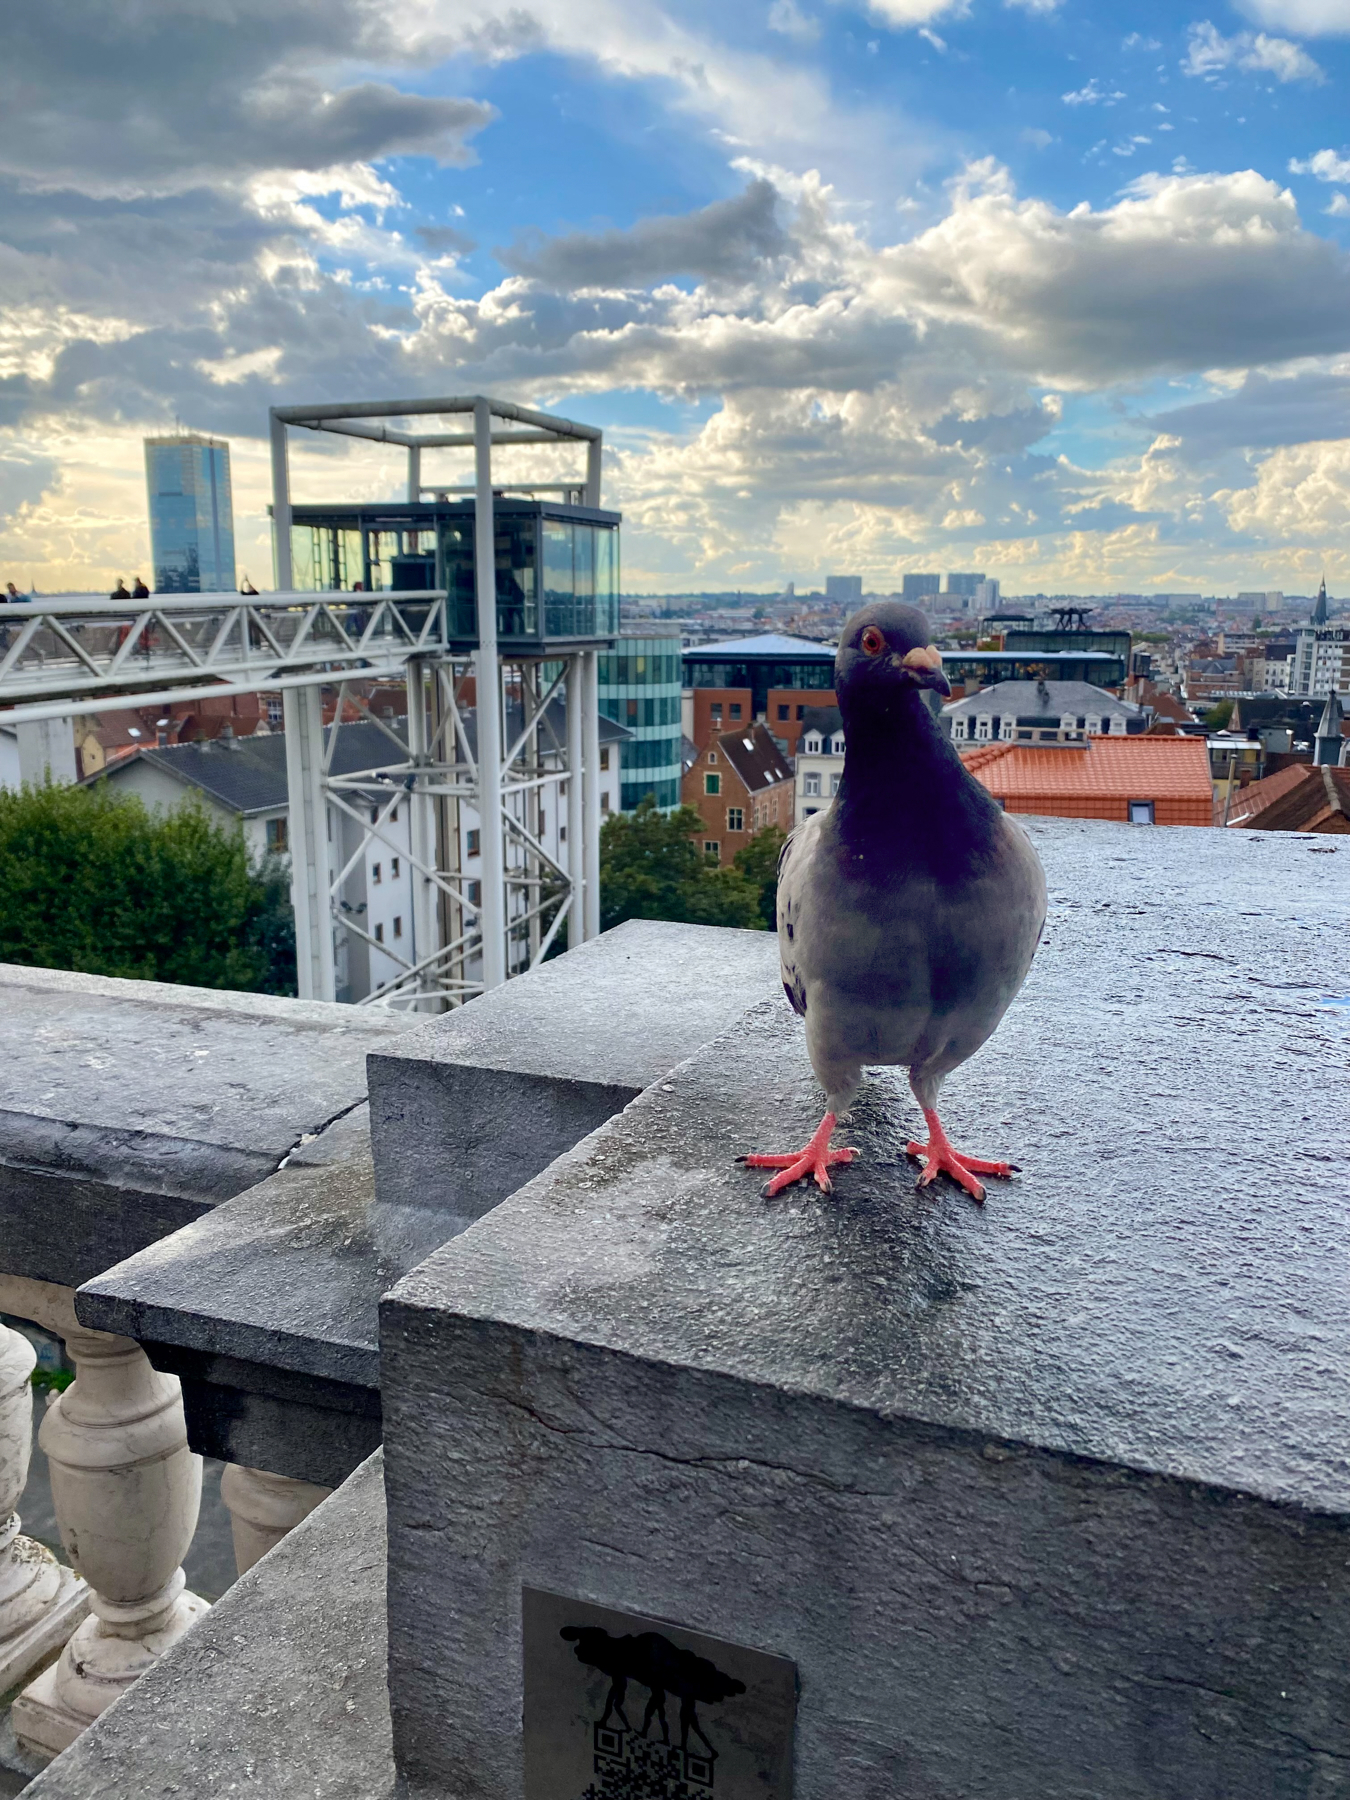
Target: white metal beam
column 489, row 685
column 315, row 973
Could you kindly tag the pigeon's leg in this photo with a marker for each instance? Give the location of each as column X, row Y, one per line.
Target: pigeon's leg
column 941, row 1159
column 816, row 1160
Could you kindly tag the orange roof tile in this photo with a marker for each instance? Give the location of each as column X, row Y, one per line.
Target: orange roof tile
column 1123, row 768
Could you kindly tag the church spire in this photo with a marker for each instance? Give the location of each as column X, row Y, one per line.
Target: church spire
column 1319, row 613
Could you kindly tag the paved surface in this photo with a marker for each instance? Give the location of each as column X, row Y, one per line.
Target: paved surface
column 1049, row 1498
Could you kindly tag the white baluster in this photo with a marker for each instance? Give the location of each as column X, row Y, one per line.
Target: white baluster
column 41, row 1602
column 127, row 1490
column 263, row 1508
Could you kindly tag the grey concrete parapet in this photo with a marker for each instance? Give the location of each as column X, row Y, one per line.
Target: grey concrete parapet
column 478, row 1101
column 1048, row 1498
column 129, row 1108
column 266, row 1307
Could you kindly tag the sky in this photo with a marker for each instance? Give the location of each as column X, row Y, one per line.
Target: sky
column 1051, row 290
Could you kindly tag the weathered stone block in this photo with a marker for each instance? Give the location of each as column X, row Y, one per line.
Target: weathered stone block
column 1048, row 1500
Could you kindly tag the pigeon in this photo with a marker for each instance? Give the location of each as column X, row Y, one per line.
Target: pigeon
column 908, row 911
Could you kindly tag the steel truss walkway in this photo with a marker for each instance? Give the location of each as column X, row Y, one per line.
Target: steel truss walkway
column 470, row 930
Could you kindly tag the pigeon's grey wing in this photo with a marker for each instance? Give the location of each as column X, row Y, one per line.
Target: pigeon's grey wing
column 794, row 862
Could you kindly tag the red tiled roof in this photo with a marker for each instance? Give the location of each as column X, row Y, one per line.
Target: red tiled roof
column 1299, row 798
column 1098, row 780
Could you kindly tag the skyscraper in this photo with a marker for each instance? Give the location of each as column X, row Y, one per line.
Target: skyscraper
column 917, row 587
column 846, row 589
column 187, row 481
column 964, row 585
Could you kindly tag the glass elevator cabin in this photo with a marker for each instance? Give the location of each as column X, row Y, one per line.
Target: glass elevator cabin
column 557, row 565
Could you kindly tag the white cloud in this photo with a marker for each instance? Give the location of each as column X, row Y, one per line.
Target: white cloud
column 1209, row 53
column 1137, row 41
column 1339, row 207
column 1326, row 165
column 1038, row 136
column 933, row 38
column 787, row 18
column 1309, row 18
column 1093, row 94
column 1043, row 7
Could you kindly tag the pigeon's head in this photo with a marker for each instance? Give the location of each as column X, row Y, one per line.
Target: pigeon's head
column 885, row 652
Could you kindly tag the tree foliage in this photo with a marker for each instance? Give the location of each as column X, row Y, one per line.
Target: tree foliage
column 651, row 868
column 1218, row 715
column 758, row 863
column 92, row 881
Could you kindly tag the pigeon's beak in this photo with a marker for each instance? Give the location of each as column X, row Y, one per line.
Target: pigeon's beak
column 924, row 669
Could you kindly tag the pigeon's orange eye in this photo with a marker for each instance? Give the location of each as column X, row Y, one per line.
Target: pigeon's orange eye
column 873, row 640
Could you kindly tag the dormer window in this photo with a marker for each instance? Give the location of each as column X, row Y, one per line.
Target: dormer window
column 813, row 746
column 839, row 745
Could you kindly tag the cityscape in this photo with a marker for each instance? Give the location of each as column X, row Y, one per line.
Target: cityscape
column 638, row 981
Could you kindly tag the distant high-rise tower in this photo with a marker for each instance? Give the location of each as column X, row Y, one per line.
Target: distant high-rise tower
column 964, row 585
column 187, row 480
column 846, row 589
column 919, row 587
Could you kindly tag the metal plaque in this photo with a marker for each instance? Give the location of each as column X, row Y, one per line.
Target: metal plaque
column 619, row 1707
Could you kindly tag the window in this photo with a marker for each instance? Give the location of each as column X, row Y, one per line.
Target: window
column 375, row 874
column 811, row 784
column 562, row 834
column 275, row 711
column 276, row 836
column 813, row 746
column 958, row 728
column 379, row 934
column 810, row 811
column 1082, row 724
column 712, row 784
column 801, row 712
column 474, row 841
column 834, row 785
column 604, row 803
column 783, row 712
column 398, row 924
column 735, row 709
column 475, row 893
column 604, row 759
column 1141, row 812
column 982, row 727
column 735, row 818
column 712, row 757
column 717, row 712
column 712, row 849
column 393, row 873
column 837, row 744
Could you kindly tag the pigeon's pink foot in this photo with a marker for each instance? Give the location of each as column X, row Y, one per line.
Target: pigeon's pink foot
column 939, row 1158
column 816, row 1160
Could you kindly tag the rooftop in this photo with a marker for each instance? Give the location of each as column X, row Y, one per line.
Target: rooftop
column 755, row 757
column 769, row 646
column 1114, row 768
column 1042, row 696
column 1299, row 798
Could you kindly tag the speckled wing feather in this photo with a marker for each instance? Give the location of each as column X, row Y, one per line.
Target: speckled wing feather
column 793, row 863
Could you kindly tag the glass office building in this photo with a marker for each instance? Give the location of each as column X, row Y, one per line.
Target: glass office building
column 187, row 480
column 640, row 681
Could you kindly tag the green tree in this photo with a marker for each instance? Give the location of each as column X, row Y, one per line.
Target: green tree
column 650, row 868
column 92, row 881
column 758, row 863
column 1219, row 714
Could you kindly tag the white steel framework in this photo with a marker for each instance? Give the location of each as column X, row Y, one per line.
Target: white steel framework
column 470, row 931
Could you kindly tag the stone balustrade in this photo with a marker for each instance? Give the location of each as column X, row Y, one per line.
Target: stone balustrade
column 1042, row 1497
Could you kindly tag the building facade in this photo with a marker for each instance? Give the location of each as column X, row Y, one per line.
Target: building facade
column 820, row 761
column 1041, row 712
column 739, row 783
column 187, row 481
column 640, row 684
column 915, row 589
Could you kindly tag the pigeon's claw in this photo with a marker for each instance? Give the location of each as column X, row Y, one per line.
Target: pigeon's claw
column 939, row 1158
column 816, row 1161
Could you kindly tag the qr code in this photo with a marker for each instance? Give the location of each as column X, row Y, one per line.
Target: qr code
column 629, row 1766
